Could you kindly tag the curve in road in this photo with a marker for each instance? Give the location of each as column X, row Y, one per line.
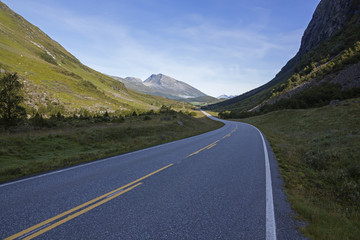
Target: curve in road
column 217, row 185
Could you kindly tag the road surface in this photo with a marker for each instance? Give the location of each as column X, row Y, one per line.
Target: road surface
column 223, row 184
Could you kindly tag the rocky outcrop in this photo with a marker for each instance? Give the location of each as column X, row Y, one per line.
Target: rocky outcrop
column 329, row 17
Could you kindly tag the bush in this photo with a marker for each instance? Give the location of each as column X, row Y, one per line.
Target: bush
column 11, row 99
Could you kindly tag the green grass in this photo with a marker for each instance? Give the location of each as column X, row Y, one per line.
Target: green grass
column 318, row 151
column 25, row 151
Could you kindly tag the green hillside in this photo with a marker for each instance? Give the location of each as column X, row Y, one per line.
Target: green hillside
column 55, row 80
column 201, row 101
column 338, row 55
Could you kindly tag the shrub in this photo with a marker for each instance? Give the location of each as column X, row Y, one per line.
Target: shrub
column 11, row 99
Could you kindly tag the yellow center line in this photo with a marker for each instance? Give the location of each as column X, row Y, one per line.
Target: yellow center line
column 210, row 146
column 83, row 205
column 214, row 143
column 79, row 213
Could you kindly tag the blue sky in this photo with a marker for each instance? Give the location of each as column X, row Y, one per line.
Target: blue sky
column 218, row 46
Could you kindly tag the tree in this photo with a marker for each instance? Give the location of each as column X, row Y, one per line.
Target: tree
column 11, row 98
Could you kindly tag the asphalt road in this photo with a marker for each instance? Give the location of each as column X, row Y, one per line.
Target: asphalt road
column 218, row 185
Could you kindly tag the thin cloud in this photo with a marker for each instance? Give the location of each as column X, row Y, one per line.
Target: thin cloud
column 200, row 51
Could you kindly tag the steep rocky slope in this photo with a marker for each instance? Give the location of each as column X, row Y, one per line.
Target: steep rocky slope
column 329, row 17
column 329, row 46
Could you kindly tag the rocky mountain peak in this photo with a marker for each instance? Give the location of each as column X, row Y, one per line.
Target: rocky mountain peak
column 329, row 17
column 158, row 79
column 170, row 86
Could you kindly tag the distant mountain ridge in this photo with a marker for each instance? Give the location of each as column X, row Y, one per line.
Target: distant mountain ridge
column 162, row 85
column 224, row 96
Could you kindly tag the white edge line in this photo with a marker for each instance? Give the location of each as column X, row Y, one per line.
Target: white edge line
column 270, row 216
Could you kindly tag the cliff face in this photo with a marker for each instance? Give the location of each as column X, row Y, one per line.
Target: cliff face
column 329, row 17
column 335, row 21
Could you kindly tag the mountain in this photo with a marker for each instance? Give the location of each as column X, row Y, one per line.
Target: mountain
column 224, row 96
column 162, row 85
column 329, row 17
column 329, row 53
column 174, row 88
column 54, row 80
column 135, row 84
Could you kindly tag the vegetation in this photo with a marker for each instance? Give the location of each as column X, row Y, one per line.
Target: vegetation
column 43, row 144
column 316, row 65
column 201, row 101
column 316, row 96
column 10, row 99
column 319, row 158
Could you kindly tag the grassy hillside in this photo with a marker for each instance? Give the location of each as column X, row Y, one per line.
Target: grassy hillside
column 61, row 142
column 55, row 79
column 201, row 101
column 330, row 58
column 319, row 157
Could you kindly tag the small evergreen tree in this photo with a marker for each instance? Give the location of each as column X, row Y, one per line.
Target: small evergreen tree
column 10, row 99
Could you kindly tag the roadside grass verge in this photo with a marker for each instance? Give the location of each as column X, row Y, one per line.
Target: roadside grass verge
column 318, row 151
column 27, row 151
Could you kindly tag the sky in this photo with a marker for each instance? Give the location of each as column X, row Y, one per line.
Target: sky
column 217, row 46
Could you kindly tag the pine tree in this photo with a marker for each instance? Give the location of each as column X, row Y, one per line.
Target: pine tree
column 10, row 99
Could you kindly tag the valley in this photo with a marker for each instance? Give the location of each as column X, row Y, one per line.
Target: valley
column 66, row 114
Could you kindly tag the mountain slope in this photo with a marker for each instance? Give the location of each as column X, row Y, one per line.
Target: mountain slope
column 329, row 44
column 135, row 84
column 53, row 78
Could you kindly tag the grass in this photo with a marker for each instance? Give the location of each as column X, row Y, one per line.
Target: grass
column 25, row 151
column 318, row 151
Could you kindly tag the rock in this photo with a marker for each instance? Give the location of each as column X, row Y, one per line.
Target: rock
column 329, row 17
column 335, row 102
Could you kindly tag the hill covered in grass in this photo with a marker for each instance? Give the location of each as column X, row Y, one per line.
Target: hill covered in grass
column 55, row 80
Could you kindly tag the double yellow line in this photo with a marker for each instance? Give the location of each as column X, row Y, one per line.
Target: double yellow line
column 207, row 147
column 229, row 134
column 214, row 143
column 45, row 226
